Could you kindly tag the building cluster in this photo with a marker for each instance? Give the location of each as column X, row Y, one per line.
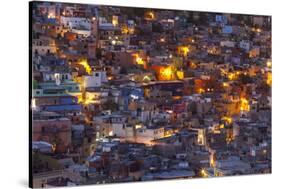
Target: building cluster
column 133, row 94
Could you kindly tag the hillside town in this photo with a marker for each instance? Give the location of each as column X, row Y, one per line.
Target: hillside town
column 122, row 94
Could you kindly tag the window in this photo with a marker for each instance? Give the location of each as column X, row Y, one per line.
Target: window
column 97, row 74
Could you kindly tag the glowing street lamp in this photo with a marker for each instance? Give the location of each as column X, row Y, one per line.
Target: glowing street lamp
column 162, row 40
column 201, row 91
column 203, row 173
column 269, row 78
column 183, row 50
column 151, row 15
column 113, row 42
column 50, row 15
column 166, row 73
column 244, row 105
column 227, row 119
column 269, row 64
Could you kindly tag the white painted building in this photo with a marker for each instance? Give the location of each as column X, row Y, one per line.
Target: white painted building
column 146, row 135
column 227, row 44
column 96, row 79
column 53, row 76
column 138, row 133
column 119, row 129
column 96, row 97
column 43, row 46
column 244, row 45
column 75, row 22
column 82, row 32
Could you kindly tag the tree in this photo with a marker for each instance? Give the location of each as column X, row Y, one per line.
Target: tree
column 98, row 53
column 244, row 79
column 123, row 70
column 110, row 105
